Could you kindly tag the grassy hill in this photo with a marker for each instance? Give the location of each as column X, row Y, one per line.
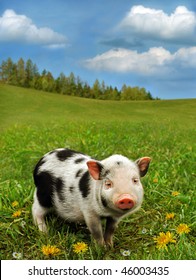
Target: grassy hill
column 33, row 123
column 28, row 106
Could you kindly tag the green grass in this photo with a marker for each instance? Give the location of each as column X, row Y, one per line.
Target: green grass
column 32, row 107
column 32, row 123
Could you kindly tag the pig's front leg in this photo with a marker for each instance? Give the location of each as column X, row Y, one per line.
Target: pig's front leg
column 94, row 225
column 111, row 225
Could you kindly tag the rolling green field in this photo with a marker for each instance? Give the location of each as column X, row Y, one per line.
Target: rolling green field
column 33, row 123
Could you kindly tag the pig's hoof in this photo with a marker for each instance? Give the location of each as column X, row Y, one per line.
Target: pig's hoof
column 109, row 244
column 42, row 228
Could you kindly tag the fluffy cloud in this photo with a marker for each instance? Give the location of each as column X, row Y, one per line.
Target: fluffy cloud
column 156, row 61
column 179, row 26
column 19, row 28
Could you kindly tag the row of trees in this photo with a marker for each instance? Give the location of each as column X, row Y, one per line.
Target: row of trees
column 26, row 74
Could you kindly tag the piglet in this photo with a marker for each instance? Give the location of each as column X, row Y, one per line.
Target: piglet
column 82, row 189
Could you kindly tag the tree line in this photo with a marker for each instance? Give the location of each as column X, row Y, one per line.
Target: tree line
column 26, row 74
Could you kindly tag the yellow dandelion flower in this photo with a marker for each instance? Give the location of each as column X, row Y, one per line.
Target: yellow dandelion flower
column 15, row 203
column 175, row 193
column 170, row 216
column 155, row 180
column 163, row 239
column 80, row 247
column 16, row 214
column 49, row 250
column 183, row 228
column 169, row 237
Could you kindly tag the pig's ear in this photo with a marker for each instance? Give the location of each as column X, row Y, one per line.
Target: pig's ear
column 143, row 164
column 95, row 169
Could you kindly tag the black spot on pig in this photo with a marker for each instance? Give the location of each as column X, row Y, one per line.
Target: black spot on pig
column 79, row 173
column 44, row 182
column 59, row 185
column 84, row 184
column 104, row 202
column 64, row 154
column 71, row 189
column 59, row 189
column 103, row 173
column 38, row 165
column 79, row 160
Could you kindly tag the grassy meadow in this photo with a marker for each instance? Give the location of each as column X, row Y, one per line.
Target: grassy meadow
column 33, row 123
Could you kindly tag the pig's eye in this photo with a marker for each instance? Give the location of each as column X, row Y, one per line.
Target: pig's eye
column 135, row 180
column 108, row 184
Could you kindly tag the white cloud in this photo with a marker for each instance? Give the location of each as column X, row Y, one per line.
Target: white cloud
column 19, row 28
column 156, row 61
column 55, row 46
column 156, row 24
column 186, row 57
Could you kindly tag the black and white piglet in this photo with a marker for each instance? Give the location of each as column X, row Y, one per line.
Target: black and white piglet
column 82, row 189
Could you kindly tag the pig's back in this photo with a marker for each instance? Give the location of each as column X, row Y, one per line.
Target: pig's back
column 63, row 182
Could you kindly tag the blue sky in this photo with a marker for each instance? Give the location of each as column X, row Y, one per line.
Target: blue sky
column 150, row 44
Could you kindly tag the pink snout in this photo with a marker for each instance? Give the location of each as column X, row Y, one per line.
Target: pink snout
column 125, row 202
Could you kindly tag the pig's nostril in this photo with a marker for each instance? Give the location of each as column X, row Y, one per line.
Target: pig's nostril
column 123, row 202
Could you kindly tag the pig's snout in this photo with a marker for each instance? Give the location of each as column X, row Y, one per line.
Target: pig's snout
column 125, row 202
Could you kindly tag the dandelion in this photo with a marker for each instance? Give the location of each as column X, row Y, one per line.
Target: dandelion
column 125, row 253
column 155, row 180
column 49, row 250
column 170, row 216
column 15, row 203
column 17, row 255
column 16, row 214
column 169, row 237
column 183, row 228
column 163, row 239
column 175, row 193
column 80, row 247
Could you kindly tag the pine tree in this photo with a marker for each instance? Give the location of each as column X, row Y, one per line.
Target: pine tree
column 28, row 73
column 7, row 71
column 21, row 75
